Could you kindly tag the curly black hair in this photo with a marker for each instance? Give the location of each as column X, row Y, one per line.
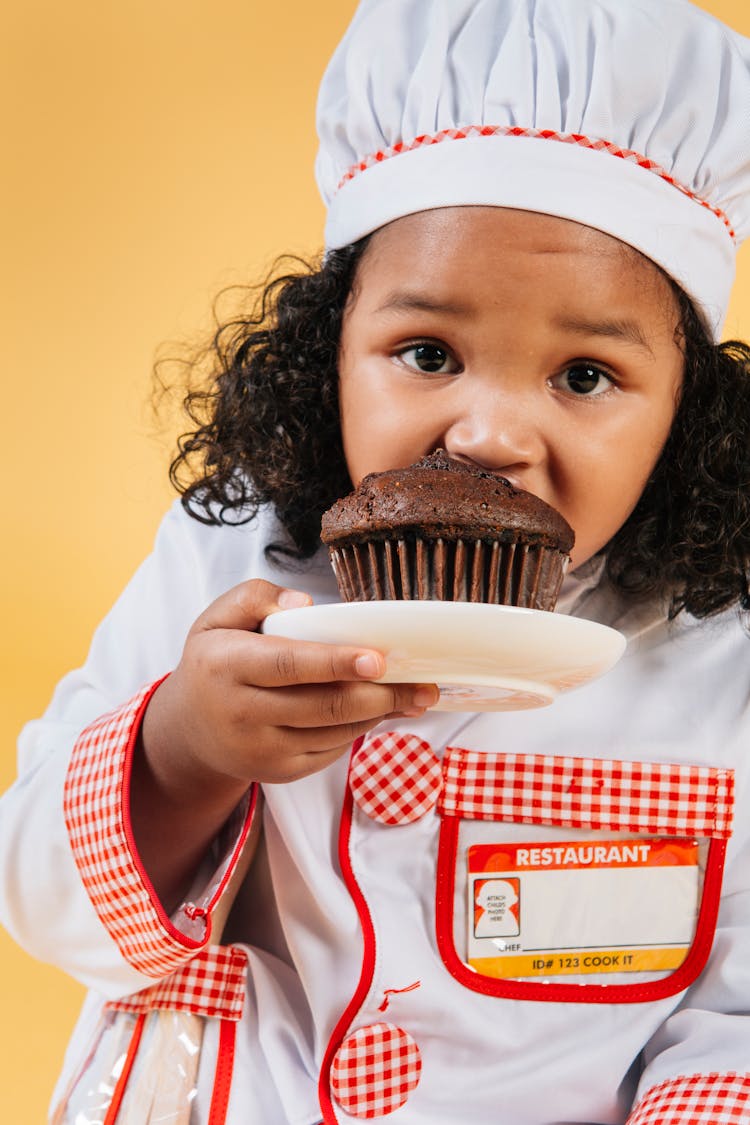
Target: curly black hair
column 265, row 430
column 264, row 401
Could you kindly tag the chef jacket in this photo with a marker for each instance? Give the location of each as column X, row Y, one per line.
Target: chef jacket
column 538, row 917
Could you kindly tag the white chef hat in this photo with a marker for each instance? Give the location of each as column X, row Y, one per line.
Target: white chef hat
column 631, row 116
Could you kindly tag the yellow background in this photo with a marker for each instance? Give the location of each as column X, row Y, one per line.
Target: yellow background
column 155, row 152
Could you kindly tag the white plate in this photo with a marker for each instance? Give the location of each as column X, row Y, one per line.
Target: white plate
column 483, row 657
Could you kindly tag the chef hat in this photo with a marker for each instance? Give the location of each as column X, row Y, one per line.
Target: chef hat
column 631, row 116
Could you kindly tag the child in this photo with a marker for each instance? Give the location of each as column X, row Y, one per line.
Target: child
column 533, row 212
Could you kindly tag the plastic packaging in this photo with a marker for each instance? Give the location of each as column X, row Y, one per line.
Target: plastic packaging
column 141, row 1070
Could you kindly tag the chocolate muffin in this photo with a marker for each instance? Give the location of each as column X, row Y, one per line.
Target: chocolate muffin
column 443, row 530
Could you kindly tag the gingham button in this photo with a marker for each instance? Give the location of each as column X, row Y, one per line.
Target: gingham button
column 374, row 1070
column 395, row 778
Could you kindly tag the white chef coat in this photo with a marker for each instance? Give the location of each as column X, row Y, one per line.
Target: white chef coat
column 338, row 917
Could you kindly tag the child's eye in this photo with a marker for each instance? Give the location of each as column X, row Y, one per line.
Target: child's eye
column 433, row 359
column 584, row 379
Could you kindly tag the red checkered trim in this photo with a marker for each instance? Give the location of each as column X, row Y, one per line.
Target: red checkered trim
column 374, row 1070
column 211, row 984
column 696, row 1099
column 541, row 134
column 659, row 797
column 96, row 815
column 395, row 778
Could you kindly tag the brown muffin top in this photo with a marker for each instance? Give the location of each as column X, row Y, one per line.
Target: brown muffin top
column 439, row 497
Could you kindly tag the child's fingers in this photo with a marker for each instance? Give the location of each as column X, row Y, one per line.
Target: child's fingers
column 294, row 753
column 305, row 761
column 274, row 662
column 245, row 606
column 320, row 740
column 329, row 706
column 269, row 661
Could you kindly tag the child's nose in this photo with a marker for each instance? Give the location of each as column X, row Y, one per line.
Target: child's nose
column 498, row 435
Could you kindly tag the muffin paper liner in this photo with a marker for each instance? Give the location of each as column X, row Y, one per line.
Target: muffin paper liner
column 518, row 574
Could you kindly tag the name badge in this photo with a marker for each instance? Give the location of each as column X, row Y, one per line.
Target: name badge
column 556, row 908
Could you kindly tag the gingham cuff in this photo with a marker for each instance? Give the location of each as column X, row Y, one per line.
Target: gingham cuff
column 211, row 984
column 696, row 1099
column 95, row 806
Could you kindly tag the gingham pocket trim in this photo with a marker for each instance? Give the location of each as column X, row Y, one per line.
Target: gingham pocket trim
column 696, row 1099
column 211, row 984
column 581, row 140
column 654, row 797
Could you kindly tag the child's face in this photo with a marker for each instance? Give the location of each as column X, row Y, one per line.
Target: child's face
column 532, row 346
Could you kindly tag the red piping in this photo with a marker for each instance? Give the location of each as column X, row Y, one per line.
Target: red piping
column 165, row 921
column 223, row 1078
column 573, row 993
column 122, row 1081
column 368, row 955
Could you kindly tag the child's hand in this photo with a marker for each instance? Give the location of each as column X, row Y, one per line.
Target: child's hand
column 243, row 707
column 263, row 708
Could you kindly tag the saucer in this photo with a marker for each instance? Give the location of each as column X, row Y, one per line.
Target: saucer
column 482, row 657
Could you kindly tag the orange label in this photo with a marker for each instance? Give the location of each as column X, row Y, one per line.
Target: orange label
column 659, row 852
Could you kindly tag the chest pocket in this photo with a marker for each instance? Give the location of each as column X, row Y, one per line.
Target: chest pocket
column 578, row 879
